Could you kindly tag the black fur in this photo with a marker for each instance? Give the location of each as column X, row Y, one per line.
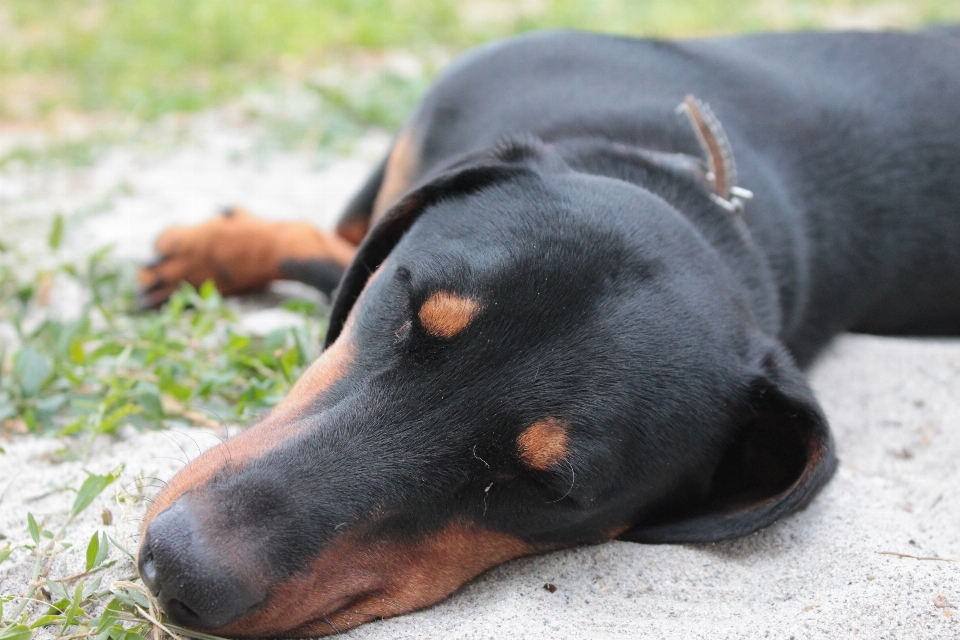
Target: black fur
column 558, row 186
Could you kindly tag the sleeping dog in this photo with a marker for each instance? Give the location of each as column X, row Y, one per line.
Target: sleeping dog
column 572, row 304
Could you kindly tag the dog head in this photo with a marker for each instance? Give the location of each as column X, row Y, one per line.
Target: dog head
column 522, row 357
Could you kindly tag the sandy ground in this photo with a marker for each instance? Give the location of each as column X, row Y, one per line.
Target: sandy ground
column 894, row 405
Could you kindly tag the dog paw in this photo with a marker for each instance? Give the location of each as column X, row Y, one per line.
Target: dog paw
column 236, row 250
column 239, row 253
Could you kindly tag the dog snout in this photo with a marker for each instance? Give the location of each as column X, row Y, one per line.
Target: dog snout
column 200, row 580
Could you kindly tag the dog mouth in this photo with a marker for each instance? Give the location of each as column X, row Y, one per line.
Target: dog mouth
column 362, row 578
column 344, row 613
column 351, row 612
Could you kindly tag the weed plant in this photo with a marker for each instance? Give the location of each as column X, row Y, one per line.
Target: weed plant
column 106, row 368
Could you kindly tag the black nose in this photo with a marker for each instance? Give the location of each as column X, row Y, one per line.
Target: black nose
column 189, row 573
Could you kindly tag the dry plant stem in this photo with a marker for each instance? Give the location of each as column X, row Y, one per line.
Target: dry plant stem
column 907, row 555
column 39, row 572
column 157, row 623
column 153, row 616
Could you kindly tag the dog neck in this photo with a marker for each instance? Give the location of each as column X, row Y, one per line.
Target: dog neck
column 685, row 183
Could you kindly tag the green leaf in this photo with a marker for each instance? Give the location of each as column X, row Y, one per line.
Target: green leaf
column 33, row 369
column 30, row 418
column 34, row 529
column 300, row 306
column 288, row 361
column 104, row 550
column 47, row 620
column 130, row 597
column 50, row 404
column 237, row 342
column 56, row 232
column 276, row 339
column 108, row 617
column 90, row 489
column 73, row 427
column 112, row 419
column 177, row 390
column 148, row 397
column 76, row 351
column 93, row 550
column 57, row 589
column 16, row 632
column 208, row 290
column 4, row 554
column 70, row 616
column 121, row 548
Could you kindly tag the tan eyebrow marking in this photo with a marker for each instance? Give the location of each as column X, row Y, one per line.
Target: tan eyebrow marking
column 543, row 444
column 446, row 314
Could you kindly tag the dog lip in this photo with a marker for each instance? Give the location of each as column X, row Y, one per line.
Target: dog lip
column 342, row 605
column 346, row 608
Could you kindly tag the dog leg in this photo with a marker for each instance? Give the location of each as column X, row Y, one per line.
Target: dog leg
column 241, row 253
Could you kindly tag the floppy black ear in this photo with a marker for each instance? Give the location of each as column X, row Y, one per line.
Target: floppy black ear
column 780, row 457
column 470, row 173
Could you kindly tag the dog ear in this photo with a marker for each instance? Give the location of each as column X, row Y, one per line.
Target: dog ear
column 780, row 457
column 470, row 173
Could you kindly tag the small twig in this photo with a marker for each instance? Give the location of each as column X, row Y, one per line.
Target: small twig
column 77, row 576
column 156, row 623
column 907, row 555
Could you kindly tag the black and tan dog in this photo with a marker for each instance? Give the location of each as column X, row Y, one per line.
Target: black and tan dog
column 565, row 321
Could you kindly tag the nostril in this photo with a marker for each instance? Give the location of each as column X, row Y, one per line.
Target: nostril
column 197, row 584
column 148, row 567
column 149, row 572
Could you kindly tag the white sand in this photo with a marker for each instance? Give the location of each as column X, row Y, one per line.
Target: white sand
column 894, row 405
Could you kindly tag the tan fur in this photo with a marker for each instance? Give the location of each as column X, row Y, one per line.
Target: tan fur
column 446, row 314
column 400, row 172
column 282, row 423
column 363, row 577
column 543, row 444
column 353, row 231
column 239, row 252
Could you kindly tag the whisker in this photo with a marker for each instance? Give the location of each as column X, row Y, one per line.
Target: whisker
column 332, row 626
column 194, row 440
column 223, row 423
column 226, row 430
column 573, row 480
column 185, row 456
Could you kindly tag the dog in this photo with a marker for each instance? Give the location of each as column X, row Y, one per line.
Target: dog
column 572, row 304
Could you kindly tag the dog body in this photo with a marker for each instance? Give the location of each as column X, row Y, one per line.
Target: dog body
column 850, row 143
column 561, row 325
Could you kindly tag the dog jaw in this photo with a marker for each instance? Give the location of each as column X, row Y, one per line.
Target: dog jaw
column 363, row 577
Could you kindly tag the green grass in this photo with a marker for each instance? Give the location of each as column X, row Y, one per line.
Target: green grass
column 151, row 58
column 190, row 363
column 103, row 62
